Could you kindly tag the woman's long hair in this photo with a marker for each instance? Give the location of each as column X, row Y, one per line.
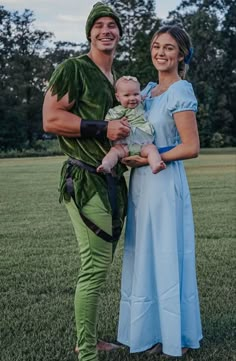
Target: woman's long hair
column 184, row 43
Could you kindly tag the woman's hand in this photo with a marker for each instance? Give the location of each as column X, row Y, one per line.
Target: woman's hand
column 134, row 161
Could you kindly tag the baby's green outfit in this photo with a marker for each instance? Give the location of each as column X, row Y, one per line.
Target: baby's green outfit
column 141, row 131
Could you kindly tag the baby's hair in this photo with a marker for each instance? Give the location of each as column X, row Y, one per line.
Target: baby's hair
column 126, row 78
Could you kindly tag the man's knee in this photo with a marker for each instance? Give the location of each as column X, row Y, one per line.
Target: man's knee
column 93, row 279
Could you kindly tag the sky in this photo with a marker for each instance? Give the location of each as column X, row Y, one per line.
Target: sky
column 67, row 18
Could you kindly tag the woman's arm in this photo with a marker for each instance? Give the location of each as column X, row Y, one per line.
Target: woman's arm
column 134, row 161
column 190, row 146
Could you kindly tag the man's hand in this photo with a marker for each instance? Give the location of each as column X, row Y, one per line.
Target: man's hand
column 118, row 129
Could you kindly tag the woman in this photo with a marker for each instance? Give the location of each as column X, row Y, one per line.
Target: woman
column 159, row 309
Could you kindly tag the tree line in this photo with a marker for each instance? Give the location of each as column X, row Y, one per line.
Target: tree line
column 28, row 56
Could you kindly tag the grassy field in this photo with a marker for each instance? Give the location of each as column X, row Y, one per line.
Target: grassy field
column 39, row 263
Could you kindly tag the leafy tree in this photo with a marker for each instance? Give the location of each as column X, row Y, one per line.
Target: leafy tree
column 22, row 80
column 62, row 50
column 228, row 71
column 26, row 63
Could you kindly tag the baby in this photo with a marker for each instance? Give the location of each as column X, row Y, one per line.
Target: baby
column 141, row 134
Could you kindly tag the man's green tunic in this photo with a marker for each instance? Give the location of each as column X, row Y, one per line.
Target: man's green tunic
column 93, row 95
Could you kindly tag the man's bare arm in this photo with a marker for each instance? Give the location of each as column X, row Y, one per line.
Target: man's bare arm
column 58, row 119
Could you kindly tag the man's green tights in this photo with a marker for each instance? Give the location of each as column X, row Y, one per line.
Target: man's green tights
column 96, row 256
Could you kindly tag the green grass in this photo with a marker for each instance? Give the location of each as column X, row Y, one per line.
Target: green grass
column 39, row 263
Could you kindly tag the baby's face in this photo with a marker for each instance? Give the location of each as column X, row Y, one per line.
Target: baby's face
column 128, row 94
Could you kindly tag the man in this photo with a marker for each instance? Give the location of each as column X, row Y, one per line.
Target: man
column 79, row 96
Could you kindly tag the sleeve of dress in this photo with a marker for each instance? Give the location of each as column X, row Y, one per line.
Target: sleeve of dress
column 146, row 92
column 181, row 98
column 66, row 80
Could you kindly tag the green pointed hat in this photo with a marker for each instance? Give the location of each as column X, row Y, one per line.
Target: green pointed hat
column 99, row 10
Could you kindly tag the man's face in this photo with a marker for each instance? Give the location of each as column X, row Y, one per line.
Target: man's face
column 104, row 34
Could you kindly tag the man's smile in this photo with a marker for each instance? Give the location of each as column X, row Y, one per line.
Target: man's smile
column 106, row 39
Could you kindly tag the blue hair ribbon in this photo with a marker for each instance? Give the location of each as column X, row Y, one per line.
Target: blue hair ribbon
column 188, row 57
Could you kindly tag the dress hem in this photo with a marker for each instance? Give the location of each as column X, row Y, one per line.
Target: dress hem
column 145, row 348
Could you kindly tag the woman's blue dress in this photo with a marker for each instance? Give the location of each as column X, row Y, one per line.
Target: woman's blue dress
column 159, row 296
